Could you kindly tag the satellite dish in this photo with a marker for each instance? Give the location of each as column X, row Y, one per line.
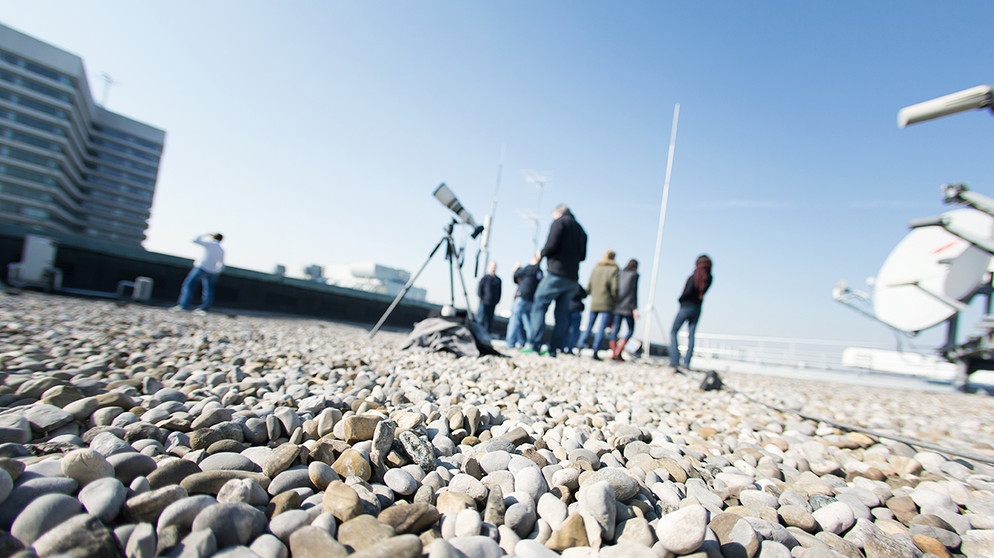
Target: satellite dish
column 931, row 272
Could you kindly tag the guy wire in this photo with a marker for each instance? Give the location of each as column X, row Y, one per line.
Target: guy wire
column 869, row 432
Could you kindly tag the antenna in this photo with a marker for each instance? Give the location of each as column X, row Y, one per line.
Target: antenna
column 488, row 222
column 533, row 217
column 539, row 179
column 108, row 81
column 932, row 271
column 659, row 231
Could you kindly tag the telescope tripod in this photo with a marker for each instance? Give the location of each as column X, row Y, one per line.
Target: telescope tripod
column 450, row 254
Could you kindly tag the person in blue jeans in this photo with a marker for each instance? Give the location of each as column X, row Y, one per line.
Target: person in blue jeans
column 206, row 269
column 576, row 308
column 690, row 309
column 603, row 289
column 519, row 325
column 565, row 248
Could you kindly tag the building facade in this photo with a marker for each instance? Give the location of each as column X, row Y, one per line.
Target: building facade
column 67, row 164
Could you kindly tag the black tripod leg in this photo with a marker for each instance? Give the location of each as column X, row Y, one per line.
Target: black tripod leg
column 406, row 288
column 465, row 295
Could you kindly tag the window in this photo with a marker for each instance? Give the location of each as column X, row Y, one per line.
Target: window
column 128, row 138
column 24, row 174
column 28, row 157
column 28, row 139
column 37, row 124
column 35, row 212
column 19, row 209
column 41, row 107
column 49, row 73
column 26, row 193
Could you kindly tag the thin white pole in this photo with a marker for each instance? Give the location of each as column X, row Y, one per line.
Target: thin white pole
column 489, row 222
column 659, row 233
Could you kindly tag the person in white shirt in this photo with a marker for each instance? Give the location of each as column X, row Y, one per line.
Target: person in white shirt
column 206, row 269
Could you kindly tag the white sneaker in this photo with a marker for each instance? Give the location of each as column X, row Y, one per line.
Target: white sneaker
column 200, row 312
column 176, row 308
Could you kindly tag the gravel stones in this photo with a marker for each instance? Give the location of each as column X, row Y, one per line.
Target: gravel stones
column 42, row 514
column 85, row 466
column 231, row 524
column 131, row 430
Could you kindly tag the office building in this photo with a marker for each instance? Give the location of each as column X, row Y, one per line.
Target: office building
column 67, row 164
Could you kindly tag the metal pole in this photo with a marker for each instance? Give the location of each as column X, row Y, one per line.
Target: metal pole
column 489, row 223
column 659, row 232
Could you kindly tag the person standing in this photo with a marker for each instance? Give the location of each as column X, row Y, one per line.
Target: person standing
column 603, row 289
column 565, row 248
column 489, row 292
column 519, row 326
column 626, row 310
column 690, row 309
column 576, row 308
column 206, row 269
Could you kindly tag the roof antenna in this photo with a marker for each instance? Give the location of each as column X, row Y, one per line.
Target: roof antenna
column 108, row 81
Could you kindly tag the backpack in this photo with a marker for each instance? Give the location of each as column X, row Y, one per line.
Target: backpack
column 712, row 381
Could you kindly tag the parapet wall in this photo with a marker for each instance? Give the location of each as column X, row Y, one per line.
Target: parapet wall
column 93, row 268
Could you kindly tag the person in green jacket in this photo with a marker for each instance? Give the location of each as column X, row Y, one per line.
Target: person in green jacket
column 603, row 289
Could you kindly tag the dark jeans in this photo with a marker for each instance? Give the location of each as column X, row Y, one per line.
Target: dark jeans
column 486, row 317
column 552, row 288
column 573, row 331
column 618, row 320
column 519, row 326
column 690, row 314
column 605, row 317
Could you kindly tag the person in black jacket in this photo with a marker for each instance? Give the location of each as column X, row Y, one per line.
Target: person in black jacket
column 489, row 292
column 690, row 309
column 564, row 249
column 519, row 325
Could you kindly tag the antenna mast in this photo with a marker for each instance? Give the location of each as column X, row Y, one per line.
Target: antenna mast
column 659, row 232
column 108, row 81
column 489, row 220
column 539, row 180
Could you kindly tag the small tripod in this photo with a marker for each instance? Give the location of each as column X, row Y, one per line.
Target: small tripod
column 450, row 254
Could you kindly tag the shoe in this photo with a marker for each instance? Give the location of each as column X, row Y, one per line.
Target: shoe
column 200, row 312
column 177, row 308
column 618, row 348
column 526, row 351
column 595, row 357
column 545, row 352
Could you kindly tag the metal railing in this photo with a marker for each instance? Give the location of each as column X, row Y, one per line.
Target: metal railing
column 772, row 351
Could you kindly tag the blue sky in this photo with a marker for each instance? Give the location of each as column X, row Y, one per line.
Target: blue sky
column 316, row 131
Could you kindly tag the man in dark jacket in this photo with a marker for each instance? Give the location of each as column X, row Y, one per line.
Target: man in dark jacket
column 520, row 325
column 489, row 292
column 564, row 249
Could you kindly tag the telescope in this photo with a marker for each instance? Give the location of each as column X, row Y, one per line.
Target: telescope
column 974, row 98
column 448, row 199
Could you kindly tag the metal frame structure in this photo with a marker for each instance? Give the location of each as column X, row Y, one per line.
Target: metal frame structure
column 977, row 352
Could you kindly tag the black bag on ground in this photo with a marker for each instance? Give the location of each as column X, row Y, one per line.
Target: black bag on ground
column 459, row 336
column 712, row 381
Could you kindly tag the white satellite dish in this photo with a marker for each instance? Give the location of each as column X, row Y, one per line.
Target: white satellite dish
column 931, row 272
